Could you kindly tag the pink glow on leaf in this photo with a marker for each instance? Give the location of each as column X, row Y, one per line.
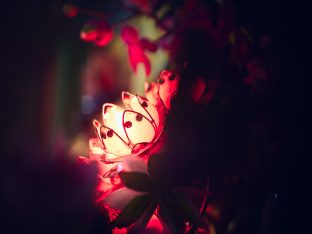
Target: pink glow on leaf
column 154, row 226
column 120, row 231
column 198, row 89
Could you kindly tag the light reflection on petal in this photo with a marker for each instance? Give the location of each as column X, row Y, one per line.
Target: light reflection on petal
column 141, row 105
column 112, row 118
column 140, row 128
column 114, row 143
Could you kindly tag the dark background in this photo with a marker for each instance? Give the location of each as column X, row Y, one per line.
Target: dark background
column 31, row 32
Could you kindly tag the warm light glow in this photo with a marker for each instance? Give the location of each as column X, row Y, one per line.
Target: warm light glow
column 134, row 128
column 126, row 132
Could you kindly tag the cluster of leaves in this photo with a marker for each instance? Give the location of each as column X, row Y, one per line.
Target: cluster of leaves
column 172, row 205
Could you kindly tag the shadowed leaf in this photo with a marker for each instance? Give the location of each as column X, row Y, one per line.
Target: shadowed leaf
column 136, row 180
column 133, row 211
column 189, row 211
column 170, row 215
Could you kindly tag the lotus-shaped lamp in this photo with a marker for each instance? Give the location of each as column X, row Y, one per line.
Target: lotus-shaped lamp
column 137, row 126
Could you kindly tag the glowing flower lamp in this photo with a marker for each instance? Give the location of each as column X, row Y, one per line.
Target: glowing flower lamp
column 129, row 131
column 136, row 127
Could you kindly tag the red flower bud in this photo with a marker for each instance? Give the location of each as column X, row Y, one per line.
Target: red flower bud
column 98, row 32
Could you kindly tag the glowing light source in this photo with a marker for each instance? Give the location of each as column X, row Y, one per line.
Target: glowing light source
column 134, row 128
column 127, row 132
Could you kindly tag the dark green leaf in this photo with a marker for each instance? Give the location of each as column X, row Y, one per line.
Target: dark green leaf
column 145, row 218
column 170, row 215
column 137, row 181
column 133, row 211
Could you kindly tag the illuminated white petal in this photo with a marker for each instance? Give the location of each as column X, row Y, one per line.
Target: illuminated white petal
column 102, row 167
column 168, row 85
column 151, row 92
column 134, row 164
column 114, row 144
column 95, row 146
column 120, row 198
column 112, row 118
column 97, row 126
column 138, row 128
column 141, row 105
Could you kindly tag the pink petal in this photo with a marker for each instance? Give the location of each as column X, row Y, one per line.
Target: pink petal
column 151, row 92
column 168, row 86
